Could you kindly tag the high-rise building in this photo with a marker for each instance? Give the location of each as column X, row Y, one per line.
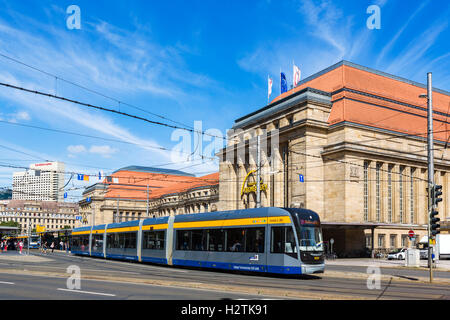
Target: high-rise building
column 43, row 181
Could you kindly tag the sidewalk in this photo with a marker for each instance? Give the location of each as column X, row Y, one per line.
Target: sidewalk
column 442, row 265
column 15, row 256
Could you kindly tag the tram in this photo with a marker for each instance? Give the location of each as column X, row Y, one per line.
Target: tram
column 266, row 240
column 34, row 241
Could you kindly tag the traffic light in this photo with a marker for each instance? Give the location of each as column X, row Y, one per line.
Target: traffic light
column 437, row 191
column 435, row 226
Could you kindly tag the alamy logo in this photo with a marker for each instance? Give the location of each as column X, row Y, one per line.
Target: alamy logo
column 374, row 21
column 74, row 281
column 74, row 20
column 374, row 279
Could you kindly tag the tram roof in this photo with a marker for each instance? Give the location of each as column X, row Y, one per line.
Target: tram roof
column 233, row 214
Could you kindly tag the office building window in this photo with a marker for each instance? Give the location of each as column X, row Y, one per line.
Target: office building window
column 393, row 241
column 404, row 240
column 411, row 196
column 381, row 241
column 390, row 193
column 400, row 197
column 378, row 200
column 366, row 191
column 368, row 241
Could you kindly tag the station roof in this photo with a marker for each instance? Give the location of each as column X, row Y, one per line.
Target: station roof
column 155, row 170
column 133, row 184
column 371, row 98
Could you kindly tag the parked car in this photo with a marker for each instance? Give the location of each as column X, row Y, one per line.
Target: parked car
column 399, row 254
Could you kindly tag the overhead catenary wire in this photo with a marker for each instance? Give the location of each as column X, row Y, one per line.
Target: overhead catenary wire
column 96, row 137
column 88, row 105
column 87, row 89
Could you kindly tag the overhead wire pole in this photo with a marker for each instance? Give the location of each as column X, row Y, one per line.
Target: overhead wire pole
column 258, row 171
column 430, row 152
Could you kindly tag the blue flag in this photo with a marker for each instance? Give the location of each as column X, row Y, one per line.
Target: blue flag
column 283, row 83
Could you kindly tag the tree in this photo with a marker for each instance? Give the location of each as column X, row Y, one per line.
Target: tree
column 10, row 224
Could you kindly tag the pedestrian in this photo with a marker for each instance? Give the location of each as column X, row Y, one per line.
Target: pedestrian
column 20, row 246
column 2, row 243
column 52, row 246
column 61, row 244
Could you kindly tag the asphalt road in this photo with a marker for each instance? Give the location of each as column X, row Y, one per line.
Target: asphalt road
column 177, row 283
column 395, row 272
column 25, row 287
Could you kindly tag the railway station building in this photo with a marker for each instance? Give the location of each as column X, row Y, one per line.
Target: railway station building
column 348, row 142
column 137, row 192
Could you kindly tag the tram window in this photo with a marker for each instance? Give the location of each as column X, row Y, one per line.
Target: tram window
column 254, row 240
column 112, row 240
column 283, row 241
column 97, row 242
column 129, row 240
column 236, row 239
column 216, row 240
column 75, row 241
column 125, row 240
column 183, row 240
column 198, row 240
column 154, row 240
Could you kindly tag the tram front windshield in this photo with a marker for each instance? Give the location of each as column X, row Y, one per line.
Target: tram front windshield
column 310, row 238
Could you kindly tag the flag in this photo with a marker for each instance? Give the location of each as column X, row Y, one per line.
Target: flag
column 270, row 88
column 283, row 83
column 297, row 75
column 80, row 176
column 85, row 177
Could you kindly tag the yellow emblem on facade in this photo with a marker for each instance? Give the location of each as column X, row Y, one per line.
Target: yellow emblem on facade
column 251, row 186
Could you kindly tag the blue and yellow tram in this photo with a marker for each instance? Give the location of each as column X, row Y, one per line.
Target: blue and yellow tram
column 272, row 240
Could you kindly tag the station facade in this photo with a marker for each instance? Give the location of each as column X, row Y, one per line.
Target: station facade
column 135, row 192
column 348, row 142
column 52, row 215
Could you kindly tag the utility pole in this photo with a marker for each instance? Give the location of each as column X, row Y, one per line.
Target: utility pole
column 29, row 237
column 258, row 171
column 430, row 170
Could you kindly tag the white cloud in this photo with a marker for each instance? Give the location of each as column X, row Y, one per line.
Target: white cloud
column 104, row 151
column 76, row 149
column 391, row 43
column 22, row 115
column 409, row 57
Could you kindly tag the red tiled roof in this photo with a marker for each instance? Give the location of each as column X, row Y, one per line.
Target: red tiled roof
column 379, row 100
column 133, row 185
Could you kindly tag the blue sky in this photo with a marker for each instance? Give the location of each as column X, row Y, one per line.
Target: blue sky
column 187, row 61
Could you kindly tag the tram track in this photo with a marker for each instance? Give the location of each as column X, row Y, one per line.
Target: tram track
column 312, row 287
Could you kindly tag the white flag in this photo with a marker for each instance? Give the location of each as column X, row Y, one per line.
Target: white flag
column 270, row 88
column 296, row 76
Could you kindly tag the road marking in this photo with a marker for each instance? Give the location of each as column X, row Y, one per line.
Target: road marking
column 88, row 292
column 5, row 282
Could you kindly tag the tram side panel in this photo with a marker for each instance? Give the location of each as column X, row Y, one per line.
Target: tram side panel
column 97, row 240
column 155, row 239
column 224, row 242
column 282, row 249
column 80, row 241
column 121, row 240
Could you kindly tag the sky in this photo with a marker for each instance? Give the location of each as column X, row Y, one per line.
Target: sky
column 192, row 64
